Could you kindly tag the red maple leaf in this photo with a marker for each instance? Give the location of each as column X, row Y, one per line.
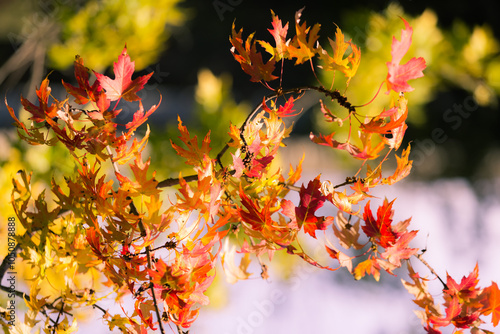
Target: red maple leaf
column 399, row 74
column 123, row 85
column 43, row 110
column 380, row 229
column 311, row 199
column 84, row 92
column 466, row 290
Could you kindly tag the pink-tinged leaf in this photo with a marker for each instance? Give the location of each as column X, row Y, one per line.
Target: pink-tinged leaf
column 400, row 250
column 398, row 75
column 453, row 310
column 329, row 116
column 123, row 85
column 238, row 166
column 279, row 33
column 329, row 141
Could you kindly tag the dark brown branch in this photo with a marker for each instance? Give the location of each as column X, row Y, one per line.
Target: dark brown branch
column 173, row 181
column 58, row 316
column 6, row 261
column 348, row 180
column 152, row 286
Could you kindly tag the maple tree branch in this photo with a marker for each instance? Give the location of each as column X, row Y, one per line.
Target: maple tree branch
column 7, row 262
column 419, row 256
column 334, row 95
column 348, row 180
column 175, row 181
column 151, row 284
column 28, row 298
column 56, row 323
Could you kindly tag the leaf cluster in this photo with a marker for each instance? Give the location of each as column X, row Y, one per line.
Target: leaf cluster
column 110, row 216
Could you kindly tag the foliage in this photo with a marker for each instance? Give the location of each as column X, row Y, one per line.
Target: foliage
column 99, row 27
column 110, row 216
column 460, row 57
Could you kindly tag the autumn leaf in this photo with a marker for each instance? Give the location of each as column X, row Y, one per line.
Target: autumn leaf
column 400, row 250
column 233, row 272
column 122, row 86
column 85, row 92
column 292, row 250
column 255, row 216
column 380, row 229
column 140, row 117
column 43, row 111
column 403, row 168
column 466, row 290
column 337, row 61
column 250, row 60
column 369, row 266
column 302, row 46
column 453, row 310
column 347, row 234
column 284, row 110
column 311, row 199
column 398, row 75
column 492, row 303
column 193, row 153
column 279, row 33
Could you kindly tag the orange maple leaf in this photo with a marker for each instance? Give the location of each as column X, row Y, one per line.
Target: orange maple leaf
column 492, row 303
column 337, row 61
column 302, row 46
column 250, row 60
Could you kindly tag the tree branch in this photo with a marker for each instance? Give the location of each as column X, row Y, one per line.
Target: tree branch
column 334, row 95
column 419, row 256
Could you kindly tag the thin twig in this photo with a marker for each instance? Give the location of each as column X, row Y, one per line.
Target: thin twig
column 419, row 256
column 263, row 266
column 56, row 323
column 152, row 286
